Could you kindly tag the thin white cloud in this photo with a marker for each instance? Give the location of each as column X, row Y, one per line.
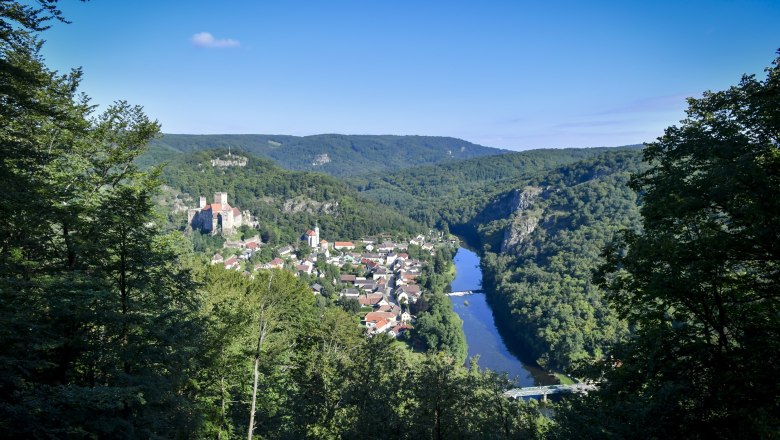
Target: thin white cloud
column 205, row 39
column 650, row 105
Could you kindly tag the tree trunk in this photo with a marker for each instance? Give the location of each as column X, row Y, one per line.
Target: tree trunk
column 262, row 328
column 222, row 405
column 254, row 401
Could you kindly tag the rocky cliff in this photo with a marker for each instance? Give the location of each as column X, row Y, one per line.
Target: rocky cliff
column 524, row 219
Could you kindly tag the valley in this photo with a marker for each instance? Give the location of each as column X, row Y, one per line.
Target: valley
column 547, row 213
column 315, row 285
column 483, row 338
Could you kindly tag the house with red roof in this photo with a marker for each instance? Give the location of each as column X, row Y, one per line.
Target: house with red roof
column 381, row 327
column 372, row 300
column 343, row 245
column 377, row 316
column 232, row 263
column 399, row 330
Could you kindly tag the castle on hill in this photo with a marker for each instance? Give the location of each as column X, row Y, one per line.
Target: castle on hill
column 217, row 217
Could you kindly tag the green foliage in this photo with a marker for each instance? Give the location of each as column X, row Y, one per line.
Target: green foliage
column 322, row 377
column 303, row 251
column 439, row 328
column 231, row 310
column 454, row 402
column 286, row 203
column 350, row 305
column 454, row 193
column 700, row 283
column 98, row 326
column 206, row 243
column 541, row 287
column 347, row 154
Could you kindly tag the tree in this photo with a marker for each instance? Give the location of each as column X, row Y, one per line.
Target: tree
column 701, row 282
column 380, row 394
column 304, row 250
column 251, row 326
column 96, row 310
column 349, row 305
column 324, row 373
column 440, row 328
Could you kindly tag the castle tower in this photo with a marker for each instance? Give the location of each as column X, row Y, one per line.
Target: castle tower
column 202, row 202
column 220, row 197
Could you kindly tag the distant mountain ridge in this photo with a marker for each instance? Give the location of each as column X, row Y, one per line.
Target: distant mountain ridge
column 334, row 154
column 455, row 192
column 284, row 202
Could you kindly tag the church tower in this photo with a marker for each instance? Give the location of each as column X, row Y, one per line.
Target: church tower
column 313, row 237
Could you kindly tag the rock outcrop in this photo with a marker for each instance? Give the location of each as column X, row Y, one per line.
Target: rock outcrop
column 524, row 219
column 302, row 204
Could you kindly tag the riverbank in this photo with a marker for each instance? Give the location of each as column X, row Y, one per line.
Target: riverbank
column 483, row 338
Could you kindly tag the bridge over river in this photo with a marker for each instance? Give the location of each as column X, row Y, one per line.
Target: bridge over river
column 544, row 391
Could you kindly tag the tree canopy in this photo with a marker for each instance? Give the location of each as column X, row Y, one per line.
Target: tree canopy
column 700, row 282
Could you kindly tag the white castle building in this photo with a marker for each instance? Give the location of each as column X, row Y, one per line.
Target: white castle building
column 216, row 217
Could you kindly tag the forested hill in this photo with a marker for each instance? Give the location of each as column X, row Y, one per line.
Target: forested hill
column 285, row 202
column 334, row 154
column 454, row 193
column 541, row 220
column 542, row 241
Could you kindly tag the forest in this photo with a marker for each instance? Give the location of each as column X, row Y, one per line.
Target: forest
column 540, row 286
column 285, row 202
column 454, row 193
column 334, row 154
column 112, row 329
column 538, row 260
column 653, row 273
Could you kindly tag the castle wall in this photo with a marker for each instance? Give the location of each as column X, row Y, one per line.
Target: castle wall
column 200, row 220
column 227, row 222
column 210, row 221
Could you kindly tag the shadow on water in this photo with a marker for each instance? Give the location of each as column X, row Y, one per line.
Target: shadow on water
column 483, row 337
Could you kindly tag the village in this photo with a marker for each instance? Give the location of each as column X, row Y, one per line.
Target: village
column 376, row 273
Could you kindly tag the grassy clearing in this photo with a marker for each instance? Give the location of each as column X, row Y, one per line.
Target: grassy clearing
column 411, row 354
column 564, row 379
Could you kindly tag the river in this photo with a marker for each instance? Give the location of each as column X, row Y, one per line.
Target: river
column 479, row 325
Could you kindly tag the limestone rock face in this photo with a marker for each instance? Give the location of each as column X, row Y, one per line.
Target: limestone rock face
column 522, row 199
column 524, row 219
column 305, row 204
column 517, row 233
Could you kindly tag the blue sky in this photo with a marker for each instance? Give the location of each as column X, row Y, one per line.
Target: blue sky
column 509, row 74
